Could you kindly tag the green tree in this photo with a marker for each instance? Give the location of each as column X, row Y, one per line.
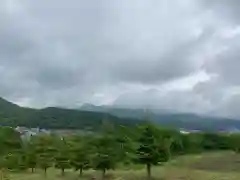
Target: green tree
column 32, row 161
column 62, row 162
column 105, row 154
column 45, row 161
column 10, row 161
column 9, row 140
column 80, row 159
column 62, row 159
column 192, row 143
column 124, row 137
column 104, row 157
column 31, row 156
column 45, row 151
column 14, row 161
column 80, row 151
column 21, row 160
column 150, row 151
column 234, row 144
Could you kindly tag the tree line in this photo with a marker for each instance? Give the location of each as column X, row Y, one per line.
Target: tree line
column 146, row 144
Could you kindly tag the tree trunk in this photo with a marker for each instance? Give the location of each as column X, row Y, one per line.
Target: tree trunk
column 169, row 155
column 45, row 172
column 103, row 173
column 63, row 171
column 81, row 172
column 149, row 171
column 32, row 170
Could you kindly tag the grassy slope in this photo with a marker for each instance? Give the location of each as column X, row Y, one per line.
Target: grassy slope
column 183, row 168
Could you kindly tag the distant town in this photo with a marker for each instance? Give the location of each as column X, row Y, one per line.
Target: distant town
column 26, row 133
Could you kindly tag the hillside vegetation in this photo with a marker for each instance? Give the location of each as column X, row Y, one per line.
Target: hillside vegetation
column 55, row 118
column 116, row 152
column 91, row 117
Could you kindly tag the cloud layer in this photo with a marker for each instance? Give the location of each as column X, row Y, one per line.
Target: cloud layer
column 178, row 55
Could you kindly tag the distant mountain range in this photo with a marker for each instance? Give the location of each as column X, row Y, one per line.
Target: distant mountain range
column 187, row 121
column 55, row 118
column 91, row 117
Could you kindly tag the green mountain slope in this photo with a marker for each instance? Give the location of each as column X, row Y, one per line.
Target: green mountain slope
column 91, row 117
column 55, row 118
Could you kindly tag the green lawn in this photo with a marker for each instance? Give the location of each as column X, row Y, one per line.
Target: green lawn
column 211, row 166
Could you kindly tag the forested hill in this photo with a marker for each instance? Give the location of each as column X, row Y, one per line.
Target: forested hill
column 55, row 118
column 60, row 118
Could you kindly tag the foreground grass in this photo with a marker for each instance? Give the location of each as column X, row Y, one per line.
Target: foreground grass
column 159, row 174
column 211, row 166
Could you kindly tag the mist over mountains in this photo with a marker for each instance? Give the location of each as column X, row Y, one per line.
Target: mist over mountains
column 188, row 121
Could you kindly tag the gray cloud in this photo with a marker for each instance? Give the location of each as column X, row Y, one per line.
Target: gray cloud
column 66, row 53
column 161, row 68
column 227, row 10
column 226, row 64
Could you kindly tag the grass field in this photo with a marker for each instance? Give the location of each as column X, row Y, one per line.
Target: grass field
column 211, row 166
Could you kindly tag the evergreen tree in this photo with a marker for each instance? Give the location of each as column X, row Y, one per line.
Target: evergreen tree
column 45, row 152
column 22, row 160
column 32, row 161
column 80, row 152
column 125, row 144
column 31, row 156
column 45, row 161
column 150, row 151
column 105, row 155
column 62, row 159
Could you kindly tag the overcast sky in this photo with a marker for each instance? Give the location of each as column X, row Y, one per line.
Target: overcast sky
column 182, row 55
